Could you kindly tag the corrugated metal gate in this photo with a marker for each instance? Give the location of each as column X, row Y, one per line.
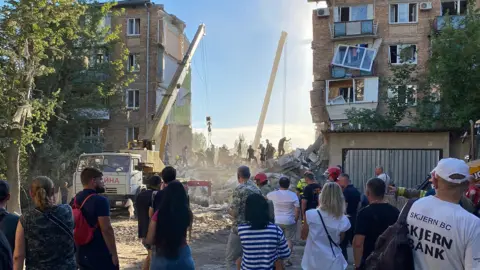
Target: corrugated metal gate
column 406, row 167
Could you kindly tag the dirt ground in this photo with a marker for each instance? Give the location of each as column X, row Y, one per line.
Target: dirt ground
column 209, row 239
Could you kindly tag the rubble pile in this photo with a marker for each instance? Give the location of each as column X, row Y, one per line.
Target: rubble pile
column 209, row 220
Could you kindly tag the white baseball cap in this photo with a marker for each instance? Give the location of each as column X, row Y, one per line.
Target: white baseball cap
column 452, row 170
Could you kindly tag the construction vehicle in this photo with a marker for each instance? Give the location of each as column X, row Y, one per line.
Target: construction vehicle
column 125, row 172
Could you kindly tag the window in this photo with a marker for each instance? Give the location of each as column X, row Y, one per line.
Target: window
column 353, row 13
column 454, row 8
column 160, row 65
column 345, row 91
column 403, row 13
column 132, row 133
column 406, row 93
column 133, row 65
column 356, row 57
column 92, row 131
column 401, row 54
column 133, row 97
column 133, row 27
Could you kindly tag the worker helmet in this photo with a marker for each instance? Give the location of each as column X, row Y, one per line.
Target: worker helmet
column 475, row 169
column 333, row 172
column 261, row 178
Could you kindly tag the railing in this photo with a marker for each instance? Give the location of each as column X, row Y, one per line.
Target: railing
column 457, row 22
column 341, row 72
column 353, row 28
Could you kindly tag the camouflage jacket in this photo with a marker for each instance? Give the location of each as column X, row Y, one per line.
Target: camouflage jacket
column 240, row 195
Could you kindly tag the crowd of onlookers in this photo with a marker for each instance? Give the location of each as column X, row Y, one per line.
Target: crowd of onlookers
column 437, row 231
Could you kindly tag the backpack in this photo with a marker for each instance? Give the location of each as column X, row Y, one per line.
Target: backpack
column 6, row 260
column 83, row 232
column 392, row 249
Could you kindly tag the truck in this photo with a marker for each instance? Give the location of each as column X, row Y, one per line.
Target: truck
column 125, row 172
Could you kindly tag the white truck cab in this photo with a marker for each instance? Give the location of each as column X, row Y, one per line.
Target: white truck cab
column 123, row 180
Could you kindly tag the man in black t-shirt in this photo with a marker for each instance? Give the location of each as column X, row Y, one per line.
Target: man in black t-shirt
column 352, row 199
column 372, row 221
column 310, row 192
column 143, row 203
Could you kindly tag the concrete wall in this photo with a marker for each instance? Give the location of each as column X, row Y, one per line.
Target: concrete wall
column 385, row 140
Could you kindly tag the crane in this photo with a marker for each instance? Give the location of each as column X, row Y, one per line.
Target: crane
column 268, row 94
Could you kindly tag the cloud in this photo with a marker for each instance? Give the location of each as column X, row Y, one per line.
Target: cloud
column 301, row 135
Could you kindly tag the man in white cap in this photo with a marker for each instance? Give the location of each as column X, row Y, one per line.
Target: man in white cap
column 442, row 234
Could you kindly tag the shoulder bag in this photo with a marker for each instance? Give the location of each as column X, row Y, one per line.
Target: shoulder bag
column 57, row 222
column 332, row 243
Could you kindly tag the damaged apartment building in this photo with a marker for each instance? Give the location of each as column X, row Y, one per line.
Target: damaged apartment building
column 354, row 42
column 156, row 44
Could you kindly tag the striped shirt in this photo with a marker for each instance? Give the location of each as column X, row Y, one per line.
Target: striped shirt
column 261, row 248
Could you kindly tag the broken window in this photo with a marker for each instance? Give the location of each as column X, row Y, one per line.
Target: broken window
column 454, row 8
column 359, row 90
column 340, row 92
column 405, row 53
column 403, row 13
column 355, row 57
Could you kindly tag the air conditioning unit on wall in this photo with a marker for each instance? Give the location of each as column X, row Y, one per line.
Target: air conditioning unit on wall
column 425, row 5
column 323, row 12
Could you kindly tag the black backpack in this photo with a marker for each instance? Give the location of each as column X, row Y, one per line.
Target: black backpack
column 392, row 249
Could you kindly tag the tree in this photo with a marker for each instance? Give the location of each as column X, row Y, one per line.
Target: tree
column 452, row 94
column 199, row 142
column 401, row 86
column 41, row 41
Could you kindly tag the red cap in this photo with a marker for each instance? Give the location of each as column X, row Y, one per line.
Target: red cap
column 261, row 177
column 334, row 172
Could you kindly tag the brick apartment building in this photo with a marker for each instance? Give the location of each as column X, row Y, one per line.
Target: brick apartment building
column 355, row 41
column 156, row 44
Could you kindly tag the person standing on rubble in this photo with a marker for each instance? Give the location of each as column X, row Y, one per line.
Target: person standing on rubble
column 269, row 150
column 310, row 193
column 251, row 154
column 245, row 188
column 263, row 155
column 281, row 146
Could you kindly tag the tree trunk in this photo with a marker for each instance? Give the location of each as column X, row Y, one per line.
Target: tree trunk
column 13, row 171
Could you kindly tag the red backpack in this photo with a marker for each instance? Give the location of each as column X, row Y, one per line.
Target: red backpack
column 83, row 232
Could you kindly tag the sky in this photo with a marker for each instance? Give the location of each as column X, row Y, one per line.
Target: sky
column 240, row 46
column 239, row 49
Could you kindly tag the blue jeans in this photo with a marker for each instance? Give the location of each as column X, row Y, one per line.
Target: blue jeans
column 183, row 262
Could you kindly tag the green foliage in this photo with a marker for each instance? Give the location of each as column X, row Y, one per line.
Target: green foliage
column 452, row 95
column 52, row 59
column 401, row 86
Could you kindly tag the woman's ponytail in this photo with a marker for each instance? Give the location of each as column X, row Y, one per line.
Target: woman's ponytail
column 42, row 190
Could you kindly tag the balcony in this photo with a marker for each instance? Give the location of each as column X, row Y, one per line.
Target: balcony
column 341, row 72
column 457, row 22
column 353, row 29
column 361, row 93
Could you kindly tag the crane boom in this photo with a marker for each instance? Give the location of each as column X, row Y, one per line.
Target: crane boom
column 268, row 94
column 172, row 91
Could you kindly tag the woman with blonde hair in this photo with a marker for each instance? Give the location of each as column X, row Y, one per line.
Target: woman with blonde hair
column 44, row 238
column 324, row 229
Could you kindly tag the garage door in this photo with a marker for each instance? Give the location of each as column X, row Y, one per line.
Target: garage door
column 406, row 167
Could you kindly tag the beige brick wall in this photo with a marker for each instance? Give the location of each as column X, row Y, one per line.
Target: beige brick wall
column 323, row 46
column 115, row 129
